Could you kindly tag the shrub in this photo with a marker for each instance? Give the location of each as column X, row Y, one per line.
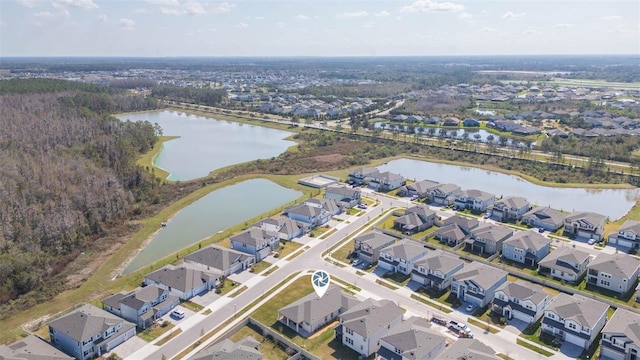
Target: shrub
column 165, row 323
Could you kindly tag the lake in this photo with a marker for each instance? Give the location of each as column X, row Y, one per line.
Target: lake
column 207, row 144
column 613, row 203
column 218, row 210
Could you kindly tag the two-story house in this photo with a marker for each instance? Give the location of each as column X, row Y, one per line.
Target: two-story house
column 616, row 272
column 256, row 241
column 526, row 248
column 510, row 208
column 523, row 301
column 412, row 339
column 386, row 181
column 544, row 217
column 285, row 227
column 345, row 196
column 311, row 313
column 488, row 238
column 185, row 281
column 451, row 235
column 477, row 283
column 621, row 336
column 419, row 188
column 476, row 200
column 361, row 175
column 416, row 218
column 141, row 306
column 32, row 347
column 436, row 270
column 565, row 263
column 362, row 326
column 585, row 224
column 89, row 332
column 245, row 349
column 401, row 256
column 575, row 319
column 367, row 246
column 628, row 235
column 443, row 194
column 224, row 260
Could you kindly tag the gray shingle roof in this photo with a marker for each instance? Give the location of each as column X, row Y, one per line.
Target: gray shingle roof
column 404, row 249
column 447, row 188
column 483, row 275
column 515, row 202
column 478, row 194
column 245, row 349
column 31, row 348
column 255, row 236
column 374, row 239
column 343, row 191
column 183, row 278
column 439, row 260
column 578, row 308
column 422, row 185
column 311, row 308
column 463, row 222
column 492, row 232
column 420, row 210
column 631, row 226
column 527, row 240
column 86, row 322
column 468, row 349
column 557, row 258
column 589, row 217
column 524, row 291
column 547, row 214
column 414, row 339
column 370, row 316
column 620, row 265
column 217, row 257
column 451, row 231
column 624, row 322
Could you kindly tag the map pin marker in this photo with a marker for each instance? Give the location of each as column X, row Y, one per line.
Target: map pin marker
column 320, row 281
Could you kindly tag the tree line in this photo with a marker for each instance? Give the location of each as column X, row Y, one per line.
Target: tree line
column 203, row 96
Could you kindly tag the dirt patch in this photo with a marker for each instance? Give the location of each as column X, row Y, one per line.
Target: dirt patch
column 330, row 158
column 321, row 331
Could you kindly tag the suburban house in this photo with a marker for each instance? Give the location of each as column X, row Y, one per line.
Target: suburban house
column 436, row 270
column 565, row 263
column 412, row 339
column 361, row 175
column 544, row 217
column 415, row 219
column 401, row 256
column 616, row 272
column 367, row 246
column 523, row 301
column 526, row 248
column 256, row 241
column 311, row 313
column 575, row 319
column 464, row 223
column 628, row 235
column 344, row 196
column 510, row 208
column 32, row 347
column 477, row 283
column 585, row 224
column 451, row 121
column 386, row 181
column 362, row 326
column 313, row 212
column 89, row 332
column 468, row 349
column 443, row 194
column 621, row 336
column 470, row 122
column 224, row 260
column 476, row 200
column 488, row 238
column 450, row 234
column 141, row 306
column 287, row 228
column 185, row 281
column 246, row 349
column 419, row 188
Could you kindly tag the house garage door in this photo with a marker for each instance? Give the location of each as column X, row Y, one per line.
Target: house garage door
column 576, row 340
column 522, row 317
column 624, row 242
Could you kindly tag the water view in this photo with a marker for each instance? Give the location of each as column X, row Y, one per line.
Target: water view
column 214, row 212
column 613, row 203
column 207, row 144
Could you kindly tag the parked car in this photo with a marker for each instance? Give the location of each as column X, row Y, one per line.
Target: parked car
column 356, row 262
column 541, row 230
column 591, row 241
column 362, row 206
column 471, row 308
column 487, row 215
column 177, row 313
column 439, row 321
column 460, row 328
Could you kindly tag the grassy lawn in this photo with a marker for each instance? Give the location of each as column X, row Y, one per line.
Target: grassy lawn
column 387, row 223
column 319, row 231
column 288, row 247
column 207, row 312
column 430, row 303
column 270, row 270
column 328, row 233
column 398, row 278
column 260, row 266
column 344, row 251
column 483, row 325
column 533, row 334
column 346, row 284
column 383, row 283
column 238, row 292
column 534, row 348
column 296, row 254
column 147, row 160
column 192, row 306
column 228, row 286
column 594, row 349
column 485, row 314
column 268, row 348
column 154, row 331
column 169, row 337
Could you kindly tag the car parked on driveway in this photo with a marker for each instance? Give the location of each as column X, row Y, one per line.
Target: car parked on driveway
column 591, row 241
column 177, row 314
column 471, row 308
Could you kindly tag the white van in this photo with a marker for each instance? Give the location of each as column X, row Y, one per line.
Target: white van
column 177, row 313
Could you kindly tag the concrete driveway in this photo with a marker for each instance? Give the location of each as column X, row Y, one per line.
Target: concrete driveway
column 570, row 350
column 127, row 348
column 206, row 298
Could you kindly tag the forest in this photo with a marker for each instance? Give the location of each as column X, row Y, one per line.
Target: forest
column 68, row 173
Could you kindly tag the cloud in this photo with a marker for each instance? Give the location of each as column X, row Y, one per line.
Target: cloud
column 562, row 26
column 221, row 8
column 382, row 13
column 347, row 15
column 432, row 6
column 2, row 23
column 164, row 2
column 532, row 31
column 241, row 25
column 194, row 8
column 29, row 3
column 465, row 16
column 612, row 18
column 170, row 11
column 45, row 18
column 126, row 24
column 301, row 17
column 84, row 4
column 280, row 24
column 103, row 18
column 487, row 29
column 368, row 25
column 511, row 16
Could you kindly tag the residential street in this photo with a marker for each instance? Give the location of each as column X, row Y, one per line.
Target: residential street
column 225, row 308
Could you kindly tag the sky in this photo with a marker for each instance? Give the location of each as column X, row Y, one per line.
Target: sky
column 169, row 28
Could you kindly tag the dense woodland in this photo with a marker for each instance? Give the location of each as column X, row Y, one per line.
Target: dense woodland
column 204, row 96
column 67, row 173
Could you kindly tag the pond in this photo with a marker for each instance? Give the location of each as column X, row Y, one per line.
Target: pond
column 613, row 203
column 220, row 209
column 207, row 144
